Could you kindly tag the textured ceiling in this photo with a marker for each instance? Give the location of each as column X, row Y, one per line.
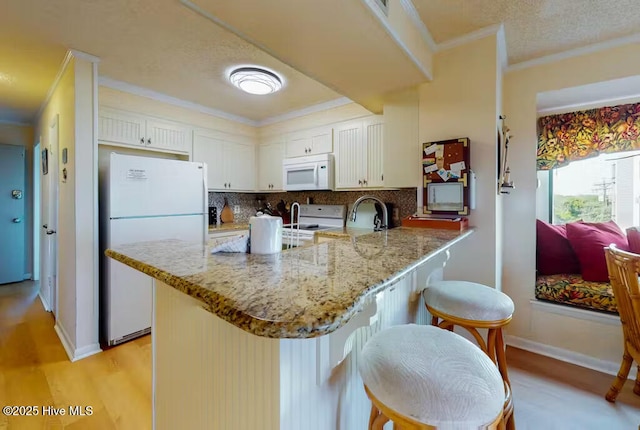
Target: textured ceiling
column 156, row 44
column 533, row 28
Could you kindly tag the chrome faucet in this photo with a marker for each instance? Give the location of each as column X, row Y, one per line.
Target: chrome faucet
column 380, row 224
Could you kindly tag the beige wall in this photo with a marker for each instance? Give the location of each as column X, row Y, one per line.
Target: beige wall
column 462, row 101
column 72, row 101
column 22, row 135
column 62, row 105
column 593, row 339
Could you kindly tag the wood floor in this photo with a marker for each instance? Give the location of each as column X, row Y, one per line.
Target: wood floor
column 34, row 370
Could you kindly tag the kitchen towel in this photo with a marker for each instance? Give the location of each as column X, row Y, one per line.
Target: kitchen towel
column 230, row 244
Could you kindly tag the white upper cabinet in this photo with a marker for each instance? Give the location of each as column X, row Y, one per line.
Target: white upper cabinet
column 121, row 127
column 230, row 164
column 126, row 128
column 310, row 142
column 168, row 136
column 270, row 156
column 359, row 152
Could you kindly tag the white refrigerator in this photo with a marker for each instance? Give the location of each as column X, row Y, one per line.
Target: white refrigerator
column 144, row 199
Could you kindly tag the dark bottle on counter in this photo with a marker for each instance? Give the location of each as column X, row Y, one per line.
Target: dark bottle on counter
column 213, row 215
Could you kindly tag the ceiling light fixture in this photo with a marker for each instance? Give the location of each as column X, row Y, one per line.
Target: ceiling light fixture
column 254, row 80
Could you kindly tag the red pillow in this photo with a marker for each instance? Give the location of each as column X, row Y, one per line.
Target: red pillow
column 633, row 237
column 554, row 253
column 588, row 240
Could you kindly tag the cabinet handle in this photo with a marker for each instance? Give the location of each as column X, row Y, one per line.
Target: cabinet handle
column 149, row 141
column 359, row 181
column 382, row 177
column 142, row 140
column 225, row 185
column 229, row 184
column 364, row 181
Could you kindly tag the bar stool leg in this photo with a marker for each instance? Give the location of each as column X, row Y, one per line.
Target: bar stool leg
column 491, row 344
column 501, row 356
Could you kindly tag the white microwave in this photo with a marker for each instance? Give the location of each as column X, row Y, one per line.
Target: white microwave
column 314, row 172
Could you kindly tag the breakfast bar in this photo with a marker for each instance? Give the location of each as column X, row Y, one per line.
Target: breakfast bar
column 246, row 341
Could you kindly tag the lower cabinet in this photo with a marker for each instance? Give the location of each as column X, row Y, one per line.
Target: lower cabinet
column 230, row 165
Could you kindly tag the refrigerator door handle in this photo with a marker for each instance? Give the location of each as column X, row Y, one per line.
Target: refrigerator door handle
column 205, row 229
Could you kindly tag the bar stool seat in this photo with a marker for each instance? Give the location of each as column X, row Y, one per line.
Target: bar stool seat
column 424, row 377
column 474, row 306
column 469, row 301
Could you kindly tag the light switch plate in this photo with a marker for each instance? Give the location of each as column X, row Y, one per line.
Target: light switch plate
column 236, row 209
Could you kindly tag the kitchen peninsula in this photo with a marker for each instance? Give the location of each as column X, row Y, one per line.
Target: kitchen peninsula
column 245, row 341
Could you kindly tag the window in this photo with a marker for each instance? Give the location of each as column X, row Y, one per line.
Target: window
column 597, row 189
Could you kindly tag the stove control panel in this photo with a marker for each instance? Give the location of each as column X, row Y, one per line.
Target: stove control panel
column 323, row 211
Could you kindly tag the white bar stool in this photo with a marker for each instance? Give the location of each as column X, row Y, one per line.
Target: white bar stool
column 474, row 306
column 423, row 378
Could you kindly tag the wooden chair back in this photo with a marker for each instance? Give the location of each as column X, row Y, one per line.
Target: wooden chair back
column 624, row 269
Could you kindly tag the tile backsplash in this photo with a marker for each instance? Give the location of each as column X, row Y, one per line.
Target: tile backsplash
column 405, row 200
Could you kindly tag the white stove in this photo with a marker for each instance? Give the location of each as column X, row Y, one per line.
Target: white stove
column 313, row 218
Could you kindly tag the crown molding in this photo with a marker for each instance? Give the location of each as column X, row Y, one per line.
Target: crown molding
column 384, row 20
column 411, row 10
column 331, row 104
column 470, row 37
column 63, row 66
column 84, row 56
column 589, row 49
column 154, row 95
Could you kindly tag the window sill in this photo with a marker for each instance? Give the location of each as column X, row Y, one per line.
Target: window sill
column 582, row 314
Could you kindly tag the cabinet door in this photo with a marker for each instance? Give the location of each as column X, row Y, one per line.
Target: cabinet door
column 168, row 136
column 240, row 166
column 321, row 140
column 209, row 150
column 349, row 155
column 121, row 127
column 374, row 137
column 270, row 166
column 298, row 145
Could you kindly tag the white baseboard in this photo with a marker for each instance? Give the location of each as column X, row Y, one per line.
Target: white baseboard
column 73, row 353
column 572, row 357
column 45, row 303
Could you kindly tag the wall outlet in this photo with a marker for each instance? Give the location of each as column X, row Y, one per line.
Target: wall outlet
column 236, row 209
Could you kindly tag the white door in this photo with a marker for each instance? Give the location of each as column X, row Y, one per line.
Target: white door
column 270, row 158
column 168, row 136
column 349, row 156
column 322, row 140
column 49, row 238
column 240, row 166
column 209, row 150
column 374, row 135
column 12, row 202
column 121, row 127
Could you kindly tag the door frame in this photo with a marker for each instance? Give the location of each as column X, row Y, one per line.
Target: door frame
column 37, row 202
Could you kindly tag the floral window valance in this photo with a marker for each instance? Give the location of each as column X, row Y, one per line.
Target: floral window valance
column 578, row 135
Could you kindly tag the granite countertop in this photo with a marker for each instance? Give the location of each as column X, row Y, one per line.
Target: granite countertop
column 299, row 293
column 344, row 232
column 228, row 226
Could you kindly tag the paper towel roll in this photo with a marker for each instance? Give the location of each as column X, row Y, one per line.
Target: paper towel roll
column 265, row 234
